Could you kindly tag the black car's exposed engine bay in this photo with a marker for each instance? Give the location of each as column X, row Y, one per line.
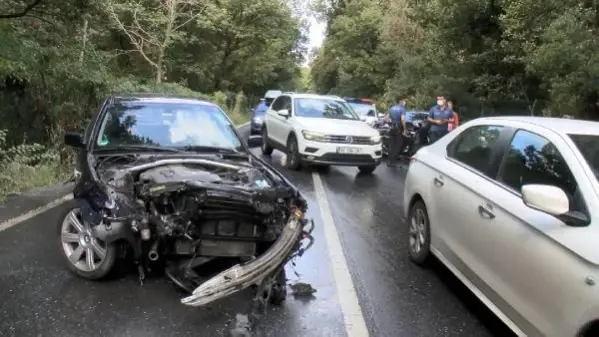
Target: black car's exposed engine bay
column 187, row 211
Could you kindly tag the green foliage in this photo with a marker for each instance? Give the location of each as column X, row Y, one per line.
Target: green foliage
column 508, row 56
column 60, row 59
column 26, row 166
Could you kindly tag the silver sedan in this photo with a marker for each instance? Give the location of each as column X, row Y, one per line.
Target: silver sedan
column 511, row 206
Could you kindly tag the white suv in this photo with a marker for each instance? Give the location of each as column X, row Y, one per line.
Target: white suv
column 323, row 130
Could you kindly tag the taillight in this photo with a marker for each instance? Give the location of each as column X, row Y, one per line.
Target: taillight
column 412, row 159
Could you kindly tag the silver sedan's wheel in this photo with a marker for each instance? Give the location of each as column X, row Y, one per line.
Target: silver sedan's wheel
column 419, row 233
column 85, row 254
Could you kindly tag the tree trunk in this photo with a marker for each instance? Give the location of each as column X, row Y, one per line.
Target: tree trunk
column 84, row 40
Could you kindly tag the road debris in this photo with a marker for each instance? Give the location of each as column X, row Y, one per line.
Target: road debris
column 301, row 289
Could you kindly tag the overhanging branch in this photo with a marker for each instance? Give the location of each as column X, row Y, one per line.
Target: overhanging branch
column 23, row 12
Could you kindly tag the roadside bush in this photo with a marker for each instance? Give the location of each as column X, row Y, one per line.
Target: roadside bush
column 27, row 166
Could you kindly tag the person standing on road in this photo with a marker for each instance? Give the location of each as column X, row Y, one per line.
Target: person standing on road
column 261, row 107
column 439, row 117
column 456, row 118
column 397, row 119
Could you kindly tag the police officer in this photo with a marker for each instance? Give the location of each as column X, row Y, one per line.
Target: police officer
column 439, row 117
column 397, row 118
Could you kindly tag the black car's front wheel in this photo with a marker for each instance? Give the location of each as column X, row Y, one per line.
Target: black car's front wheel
column 85, row 255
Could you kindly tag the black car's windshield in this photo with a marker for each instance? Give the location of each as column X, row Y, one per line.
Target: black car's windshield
column 588, row 145
column 191, row 127
column 323, row 108
column 363, row 109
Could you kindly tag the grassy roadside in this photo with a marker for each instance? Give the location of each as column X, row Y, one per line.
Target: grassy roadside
column 27, row 166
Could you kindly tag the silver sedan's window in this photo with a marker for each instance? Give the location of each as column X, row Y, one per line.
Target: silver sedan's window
column 474, row 146
column 533, row 159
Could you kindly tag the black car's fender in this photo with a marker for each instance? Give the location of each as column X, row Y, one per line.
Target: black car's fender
column 109, row 232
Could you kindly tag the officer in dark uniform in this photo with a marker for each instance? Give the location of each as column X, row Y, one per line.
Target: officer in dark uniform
column 397, row 118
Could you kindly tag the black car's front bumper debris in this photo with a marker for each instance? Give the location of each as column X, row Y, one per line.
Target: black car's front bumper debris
column 242, row 276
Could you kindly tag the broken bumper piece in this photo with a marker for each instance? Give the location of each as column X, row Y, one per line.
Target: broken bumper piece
column 242, row 276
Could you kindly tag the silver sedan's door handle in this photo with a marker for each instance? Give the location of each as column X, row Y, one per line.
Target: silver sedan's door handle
column 439, row 181
column 486, row 211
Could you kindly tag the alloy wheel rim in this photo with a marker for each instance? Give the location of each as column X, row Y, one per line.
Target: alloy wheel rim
column 83, row 250
column 417, row 231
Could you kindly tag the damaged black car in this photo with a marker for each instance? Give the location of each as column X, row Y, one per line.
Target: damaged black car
column 169, row 182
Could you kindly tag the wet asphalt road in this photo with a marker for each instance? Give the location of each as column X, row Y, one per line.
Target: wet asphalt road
column 39, row 297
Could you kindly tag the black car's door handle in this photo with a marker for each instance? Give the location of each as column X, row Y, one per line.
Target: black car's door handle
column 439, row 182
column 486, row 211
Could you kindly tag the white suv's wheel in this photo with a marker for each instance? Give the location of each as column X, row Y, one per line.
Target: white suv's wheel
column 294, row 160
column 266, row 148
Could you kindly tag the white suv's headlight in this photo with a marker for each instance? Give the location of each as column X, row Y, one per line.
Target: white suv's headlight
column 313, row 136
column 375, row 139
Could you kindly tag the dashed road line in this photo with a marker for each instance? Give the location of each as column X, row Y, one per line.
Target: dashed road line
column 34, row 212
column 355, row 324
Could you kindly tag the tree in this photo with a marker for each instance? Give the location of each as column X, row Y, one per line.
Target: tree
column 8, row 11
column 153, row 28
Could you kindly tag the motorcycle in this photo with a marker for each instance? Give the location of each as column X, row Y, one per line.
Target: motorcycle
column 416, row 137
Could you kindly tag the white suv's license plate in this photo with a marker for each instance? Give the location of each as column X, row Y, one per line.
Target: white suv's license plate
column 348, row 150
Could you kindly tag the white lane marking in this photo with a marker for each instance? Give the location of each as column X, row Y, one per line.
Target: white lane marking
column 55, row 203
column 355, row 325
column 34, row 212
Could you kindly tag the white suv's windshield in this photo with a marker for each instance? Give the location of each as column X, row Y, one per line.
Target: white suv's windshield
column 588, row 145
column 363, row 109
column 323, row 108
column 167, row 125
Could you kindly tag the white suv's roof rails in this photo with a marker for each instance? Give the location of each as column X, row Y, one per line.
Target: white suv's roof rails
column 272, row 93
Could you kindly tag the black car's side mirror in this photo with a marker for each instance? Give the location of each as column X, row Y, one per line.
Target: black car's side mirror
column 74, row 139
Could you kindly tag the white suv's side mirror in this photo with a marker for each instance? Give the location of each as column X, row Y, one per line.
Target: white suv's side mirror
column 283, row 113
column 546, row 198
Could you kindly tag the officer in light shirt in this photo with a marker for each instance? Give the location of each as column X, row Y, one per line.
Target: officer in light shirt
column 439, row 117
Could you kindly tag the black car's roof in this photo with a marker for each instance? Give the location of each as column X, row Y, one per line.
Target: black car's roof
column 159, row 98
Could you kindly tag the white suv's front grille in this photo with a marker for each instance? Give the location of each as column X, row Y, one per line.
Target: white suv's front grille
column 348, row 139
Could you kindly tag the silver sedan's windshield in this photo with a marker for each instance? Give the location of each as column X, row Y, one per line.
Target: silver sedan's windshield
column 167, row 125
column 588, row 145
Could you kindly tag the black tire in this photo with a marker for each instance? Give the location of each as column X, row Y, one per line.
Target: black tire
column 367, row 169
column 105, row 266
column 294, row 161
column 322, row 168
column 278, row 293
column 266, row 148
column 419, row 235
